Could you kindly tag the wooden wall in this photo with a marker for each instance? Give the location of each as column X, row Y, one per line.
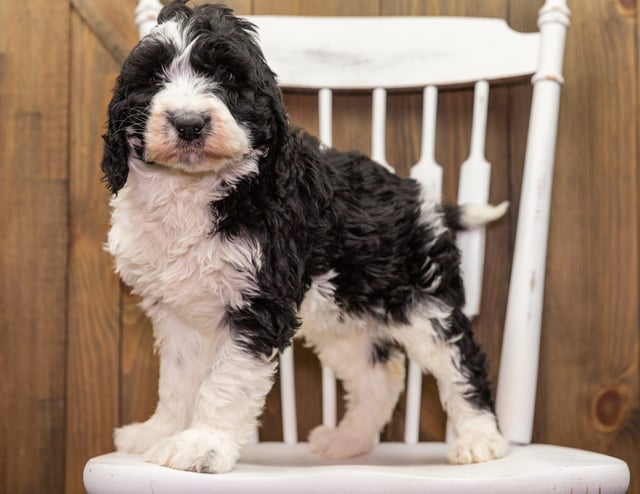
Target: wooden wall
column 75, row 351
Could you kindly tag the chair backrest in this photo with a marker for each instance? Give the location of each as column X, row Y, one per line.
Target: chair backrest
column 376, row 54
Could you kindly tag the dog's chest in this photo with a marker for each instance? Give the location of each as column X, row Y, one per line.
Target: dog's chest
column 163, row 246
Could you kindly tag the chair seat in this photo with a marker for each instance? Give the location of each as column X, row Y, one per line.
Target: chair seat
column 390, row 467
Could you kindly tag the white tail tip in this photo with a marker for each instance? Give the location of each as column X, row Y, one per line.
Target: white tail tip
column 473, row 215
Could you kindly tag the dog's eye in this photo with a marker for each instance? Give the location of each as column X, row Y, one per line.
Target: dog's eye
column 156, row 78
column 229, row 76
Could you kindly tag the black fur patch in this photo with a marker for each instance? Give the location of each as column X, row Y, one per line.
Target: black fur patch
column 382, row 351
column 473, row 361
column 313, row 211
column 452, row 216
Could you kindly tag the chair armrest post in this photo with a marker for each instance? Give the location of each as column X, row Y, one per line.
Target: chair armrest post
column 517, row 380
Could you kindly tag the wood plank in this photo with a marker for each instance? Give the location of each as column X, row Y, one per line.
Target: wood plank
column 94, row 291
column 240, row 7
column 139, row 365
column 328, row 7
column 490, row 8
column 629, row 452
column 308, row 390
column 589, row 382
column 33, row 199
column 112, row 23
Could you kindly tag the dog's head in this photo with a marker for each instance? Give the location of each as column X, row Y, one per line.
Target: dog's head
column 195, row 94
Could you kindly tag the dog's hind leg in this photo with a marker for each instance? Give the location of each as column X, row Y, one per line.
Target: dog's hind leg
column 442, row 344
column 373, row 378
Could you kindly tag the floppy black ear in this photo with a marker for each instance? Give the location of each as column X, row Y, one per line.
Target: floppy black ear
column 173, row 9
column 115, row 159
column 278, row 122
column 280, row 118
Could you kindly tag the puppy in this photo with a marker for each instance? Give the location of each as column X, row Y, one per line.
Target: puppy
column 240, row 232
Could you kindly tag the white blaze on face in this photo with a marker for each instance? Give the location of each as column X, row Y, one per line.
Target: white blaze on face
column 220, row 142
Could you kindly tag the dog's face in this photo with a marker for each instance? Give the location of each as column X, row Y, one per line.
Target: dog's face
column 194, row 95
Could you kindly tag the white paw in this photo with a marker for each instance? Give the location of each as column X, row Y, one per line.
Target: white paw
column 197, row 450
column 339, row 442
column 138, row 437
column 477, row 444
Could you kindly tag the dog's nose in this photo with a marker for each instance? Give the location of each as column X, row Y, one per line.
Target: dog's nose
column 189, row 125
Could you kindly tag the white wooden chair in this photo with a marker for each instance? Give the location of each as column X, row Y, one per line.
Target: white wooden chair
column 355, row 53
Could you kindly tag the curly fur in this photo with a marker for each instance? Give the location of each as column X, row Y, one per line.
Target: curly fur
column 240, row 232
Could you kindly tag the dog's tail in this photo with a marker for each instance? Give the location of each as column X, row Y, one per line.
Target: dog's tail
column 471, row 215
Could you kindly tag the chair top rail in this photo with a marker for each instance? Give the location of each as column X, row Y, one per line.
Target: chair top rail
column 357, row 53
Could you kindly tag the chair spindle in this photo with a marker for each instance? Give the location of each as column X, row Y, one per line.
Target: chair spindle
column 378, row 127
column 428, row 172
column 288, row 397
column 473, row 187
column 329, row 400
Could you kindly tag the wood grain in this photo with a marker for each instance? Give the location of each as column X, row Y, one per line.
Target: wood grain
column 307, row 7
column 75, row 350
column 94, row 291
column 34, row 232
column 112, row 23
column 590, row 345
column 139, row 366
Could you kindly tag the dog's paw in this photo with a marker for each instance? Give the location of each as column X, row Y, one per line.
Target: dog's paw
column 196, row 450
column 137, row 438
column 339, row 442
column 478, row 444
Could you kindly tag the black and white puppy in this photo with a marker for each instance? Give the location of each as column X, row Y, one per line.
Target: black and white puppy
column 239, row 232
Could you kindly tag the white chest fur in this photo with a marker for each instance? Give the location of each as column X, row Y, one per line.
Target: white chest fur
column 162, row 241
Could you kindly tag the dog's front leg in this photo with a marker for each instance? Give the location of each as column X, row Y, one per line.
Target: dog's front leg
column 184, row 358
column 227, row 406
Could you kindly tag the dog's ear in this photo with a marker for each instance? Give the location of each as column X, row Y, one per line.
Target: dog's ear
column 280, row 118
column 176, row 8
column 115, row 159
column 278, row 124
